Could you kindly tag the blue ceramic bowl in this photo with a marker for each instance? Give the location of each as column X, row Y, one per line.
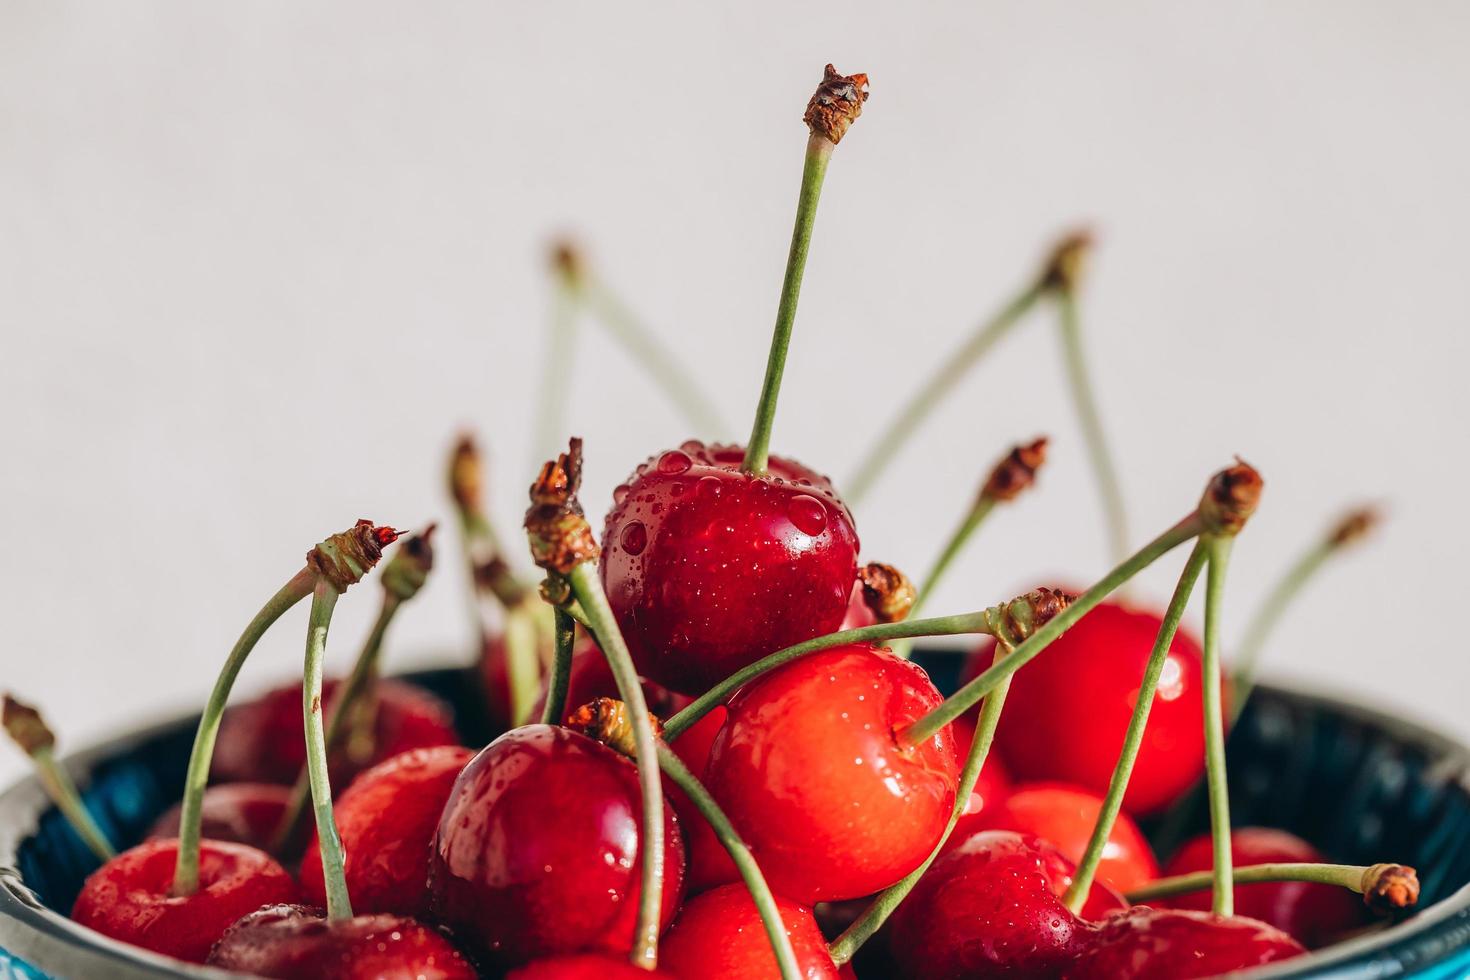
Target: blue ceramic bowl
column 1360, row 785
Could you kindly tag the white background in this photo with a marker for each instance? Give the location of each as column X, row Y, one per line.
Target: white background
column 258, row 263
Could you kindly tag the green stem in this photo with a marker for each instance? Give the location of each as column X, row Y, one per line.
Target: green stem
column 63, row 792
column 561, row 349
column 561, row 670
column 323, row 601
column 1112, row 803
column 1248, row 654
column 745, row 863
column 963, row 699
column 1085, row 400
column 818, row 154
column 935, row 388
column 587, row 587
column 961, row 535
column 976, row 622
column 1224, row 888
column 196, row 777
column 1345, row 875
column 522, row 662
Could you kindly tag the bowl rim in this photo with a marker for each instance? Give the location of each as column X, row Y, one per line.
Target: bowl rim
column 29, row 928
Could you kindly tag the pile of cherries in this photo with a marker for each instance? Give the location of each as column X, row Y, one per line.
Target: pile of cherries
column 824, row 810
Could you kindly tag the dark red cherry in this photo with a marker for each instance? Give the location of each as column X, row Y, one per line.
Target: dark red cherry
column 290, row 942
column 993, row 908
column 1064, row 816
column 1312, row 914
column 387, row 819
column 707, row 863
column 586, row 966
column 1145, row 943
column 719, row 936
column 709, row 568
column 128, row 897
column 537, row 849
column 591, row 678
column 1068, row 710
column 811, row 773
column 263, row 741
column 240, row 813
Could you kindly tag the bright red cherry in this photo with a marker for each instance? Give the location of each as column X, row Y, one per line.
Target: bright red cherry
column 993, row 785
column 128, row 898
column 1064, row 816
column 719, row 936
column 591, row 678
column 263, row 740
column 240, row 813
column 709, row 568
column 991, row 908
column 1143, row 943
column 387, row 819
column 289, row 942
column 537, row 849
column 707, row 863
column 858, row 612
column 1067, row 711
column 586, row 966
column 809, row 770
column 1312, row 914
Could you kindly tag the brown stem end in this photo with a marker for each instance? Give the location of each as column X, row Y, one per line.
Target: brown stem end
column 343, row 559
column 1231, row 498
column 560, row 537
column 1021, row 617
column 1015, row 474
column 409, row 567
column 887, row 592
column 609, row 721
column 1354, row 526
column 567, row 261
column 25, row 725
column 1390, row 886
column 836, row 105
column 467, row 476
column 1064, row 266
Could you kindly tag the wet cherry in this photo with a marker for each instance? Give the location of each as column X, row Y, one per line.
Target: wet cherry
column 709, row 568
column 719, row 936
column 240, row 813
column 1143, row 943
column 536, row 853
column 129, row 899
column 1313, row 914
column 585, row 966
column 812, row 745
column 386, row 820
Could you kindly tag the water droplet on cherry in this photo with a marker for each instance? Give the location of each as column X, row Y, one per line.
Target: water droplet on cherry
column 674, row 462
column 808, row 514
column 620, row 493
column 634, row 537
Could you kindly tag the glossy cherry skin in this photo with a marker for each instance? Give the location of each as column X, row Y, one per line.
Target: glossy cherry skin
column 537, row 849
column 128, row 897
column 240, row 813
column 1064, row 816
column 993, row 785
column 709, row 568
column 263, row 740
column 1312, row 914
column 812, row 745
column 591, row 678
column 586, row 966
column 290, row 942
column 387, row 819
column 1143, row 943
column 1084, row 686
column 707, row 863
column 719, row 936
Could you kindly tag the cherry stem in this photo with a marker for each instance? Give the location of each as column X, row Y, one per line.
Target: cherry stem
column 1085, row 401
column 561, row 670
column 1223, row 897
column 1112, row 803
column 561, row 350
column 937, row 387
column 1348, row 876
column 961, row 535
column 587, row 587
column 63, row 792
column 745, row 863
column 522, row 661
column 966, row 697
column 975, row 622
column 814, row 170
column 196, row 777
column 323, row 601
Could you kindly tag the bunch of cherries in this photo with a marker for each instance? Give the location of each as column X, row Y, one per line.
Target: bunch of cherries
column 715, row 763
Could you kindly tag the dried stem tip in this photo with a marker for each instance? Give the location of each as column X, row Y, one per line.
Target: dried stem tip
column 1015, row 474
column 343, row 559
column 887, row 592
column 1390, row 886
column 1355, row 526
column 1063, row 269
column 561, row 539
column 837, row 102
column 467, row 476
column 1231, row 498
column 1018, row 619
column 567, row 261
column 608, row 721
column 25, row 725
column 409, row 567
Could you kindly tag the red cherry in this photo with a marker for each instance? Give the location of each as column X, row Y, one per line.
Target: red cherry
column 992, row 786
column 719, row 936
column 858, row 613
column 993, row 907
column 709, row 568
column 1143, row 943
column 240, row 813
column 263, row 740
column 707, row 863
column 808, row 769
column 289, row 942
column 586, row 966
column 1064, row 816
column 1313, row 914
column 1067, row 711
column 591, row 678
column 128, row 897
column 537, row 849
column 387, row 819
